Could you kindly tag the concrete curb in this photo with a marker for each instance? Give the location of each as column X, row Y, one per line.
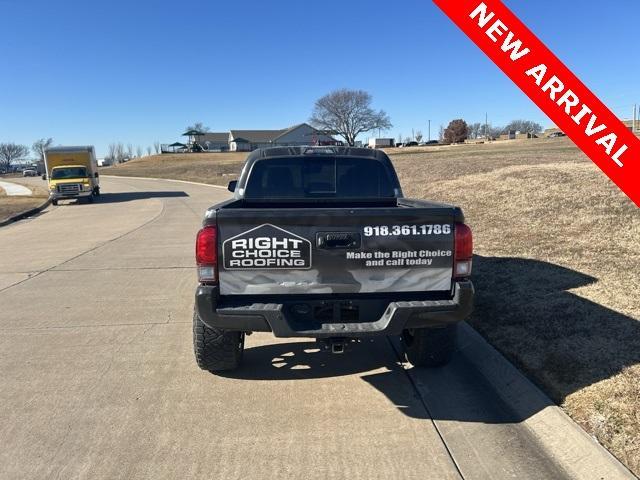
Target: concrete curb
column 26, row 214
column 166, row 180
column 565, row 441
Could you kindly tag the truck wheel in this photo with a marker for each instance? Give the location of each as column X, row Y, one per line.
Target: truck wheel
column 54, row 202
column 215, row 349
column 429, row 347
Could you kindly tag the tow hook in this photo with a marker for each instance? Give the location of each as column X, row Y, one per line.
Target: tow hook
column 335, row 345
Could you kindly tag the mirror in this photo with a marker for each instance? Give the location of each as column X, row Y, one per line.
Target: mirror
column 232, row 185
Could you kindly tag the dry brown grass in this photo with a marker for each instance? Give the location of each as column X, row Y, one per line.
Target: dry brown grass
column 10, row 206
column 556, row 268
column 213, row 168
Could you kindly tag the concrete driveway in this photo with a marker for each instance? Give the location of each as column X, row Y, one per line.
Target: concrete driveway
column 99, row 380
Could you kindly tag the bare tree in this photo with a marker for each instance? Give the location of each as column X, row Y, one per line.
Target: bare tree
column 39, row 146
column 474, row 130
column 399, row 138
column 407, row 140
column 198, row 127
column 441, row 133
column 111, row 155
column 524, row 126
column 117, row 153
column 122, row 153
column 456, row 132
column 156, row 147
column 10, row 152
column 348, row 113
column 490, row 132
column 130, row 151
column 148, row 151
column 138, row 151
column 419, row 136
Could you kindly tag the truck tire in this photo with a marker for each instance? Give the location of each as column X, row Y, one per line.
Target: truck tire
column 216, row 350
column 54, row 202
column 429, row 347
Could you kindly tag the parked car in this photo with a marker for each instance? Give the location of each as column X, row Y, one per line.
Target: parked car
column 29, row 172
column 557, row 135
column 429, row 142
column 320, row 242
column 411, row 144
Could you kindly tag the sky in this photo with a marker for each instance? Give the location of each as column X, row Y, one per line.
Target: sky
column 94, row 73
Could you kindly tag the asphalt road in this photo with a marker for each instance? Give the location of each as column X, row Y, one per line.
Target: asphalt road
column 99, row 380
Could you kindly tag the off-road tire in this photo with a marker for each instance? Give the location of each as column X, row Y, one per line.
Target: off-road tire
column 54, row 202
column 429, row 347
column 216, row 350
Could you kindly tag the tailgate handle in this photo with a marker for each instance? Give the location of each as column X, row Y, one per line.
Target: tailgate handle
column 329, row 240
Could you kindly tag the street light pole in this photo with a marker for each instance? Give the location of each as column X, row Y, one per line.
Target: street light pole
column 429, row 131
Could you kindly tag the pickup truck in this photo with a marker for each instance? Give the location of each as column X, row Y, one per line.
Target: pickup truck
column 320, row 242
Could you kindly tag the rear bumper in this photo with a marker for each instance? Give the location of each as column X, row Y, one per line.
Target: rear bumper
column 277, row 317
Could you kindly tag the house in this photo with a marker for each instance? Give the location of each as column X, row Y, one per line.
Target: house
column 554, row 129
column 525, row 136
column 510, row 135
column 302, row 134
column 249, row 140
column 214, row 141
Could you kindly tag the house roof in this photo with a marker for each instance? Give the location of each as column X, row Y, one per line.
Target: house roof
column 266, row 136
column 256, row 136
column 215, row 137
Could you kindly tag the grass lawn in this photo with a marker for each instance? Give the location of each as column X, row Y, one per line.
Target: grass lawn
column 557, row 266
column 213, row 168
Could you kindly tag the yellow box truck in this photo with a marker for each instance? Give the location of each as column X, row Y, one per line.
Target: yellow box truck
column 72, row 172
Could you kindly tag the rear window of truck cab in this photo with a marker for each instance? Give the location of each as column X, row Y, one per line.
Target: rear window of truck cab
column 333, row 177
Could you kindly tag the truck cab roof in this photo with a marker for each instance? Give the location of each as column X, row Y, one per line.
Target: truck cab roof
column 272, row 152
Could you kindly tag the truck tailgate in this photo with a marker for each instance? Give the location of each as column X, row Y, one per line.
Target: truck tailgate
column 335, row 250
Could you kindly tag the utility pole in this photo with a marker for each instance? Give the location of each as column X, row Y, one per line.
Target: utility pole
column 429, row 131
column 486, row 126
column 635, row 118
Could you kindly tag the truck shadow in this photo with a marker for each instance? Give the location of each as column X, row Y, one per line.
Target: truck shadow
column 141, row 195
column 561, row 341
column 304, row 360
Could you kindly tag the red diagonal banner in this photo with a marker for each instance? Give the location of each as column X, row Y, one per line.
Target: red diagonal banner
column 552, row 86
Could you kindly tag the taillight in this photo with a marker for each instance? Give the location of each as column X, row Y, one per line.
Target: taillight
column 463, row 258
column 207, row 254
